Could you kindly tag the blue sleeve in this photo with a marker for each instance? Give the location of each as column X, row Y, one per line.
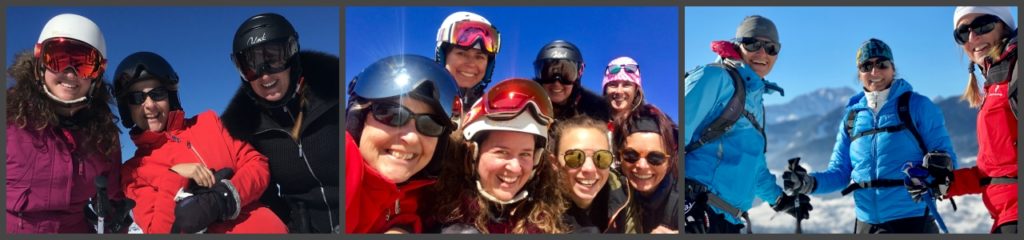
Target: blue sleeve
column 931, row 124
column 767, row 189
column 704, row 89
column 837, row 175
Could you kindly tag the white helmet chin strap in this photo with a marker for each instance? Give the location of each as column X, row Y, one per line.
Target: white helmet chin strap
column 519, row 197
column 73, row 101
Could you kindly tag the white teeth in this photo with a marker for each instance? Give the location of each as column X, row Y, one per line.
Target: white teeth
column 588, row 183
column 760, row 62
column 270, row 84
column 644, row 176
column 508, row 179
column 875, row 80
column 401, row 155
column 68, row 85
column 465, row 74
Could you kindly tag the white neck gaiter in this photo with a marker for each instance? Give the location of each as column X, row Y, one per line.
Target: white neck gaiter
column 877, row 99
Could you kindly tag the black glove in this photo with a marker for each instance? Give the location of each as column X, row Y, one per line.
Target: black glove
column 787, row 203
column 207, row 205
column 695, row 212
column 796, row 180
column 940, row 166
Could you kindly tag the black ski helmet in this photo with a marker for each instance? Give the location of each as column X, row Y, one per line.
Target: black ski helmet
column 558, row 49
column 267, row 28
column 141, row 66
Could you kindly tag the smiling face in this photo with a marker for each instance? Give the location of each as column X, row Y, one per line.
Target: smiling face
column 759, row 60
column 467, row 65
column 586, row 181
column 644, row 176
column 397, row 153
column 620, row 96
column 67, row 85
column 272, row 87
column 880, row 77
column 978, row 47
column 506, row 163
column 151, row 115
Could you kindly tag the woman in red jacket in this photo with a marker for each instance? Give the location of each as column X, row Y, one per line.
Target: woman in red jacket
column 397, row 128
column 988, row 36
column 173, row 150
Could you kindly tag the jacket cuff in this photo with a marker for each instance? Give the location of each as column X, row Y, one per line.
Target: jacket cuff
column 234, row 194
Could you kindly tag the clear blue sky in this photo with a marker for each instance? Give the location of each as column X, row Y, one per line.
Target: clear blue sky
column 819, row 44
column 648, row 34
column 195, row 40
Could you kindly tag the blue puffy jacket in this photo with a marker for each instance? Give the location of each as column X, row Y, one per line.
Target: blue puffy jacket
column 733, row 166
column 882, row 156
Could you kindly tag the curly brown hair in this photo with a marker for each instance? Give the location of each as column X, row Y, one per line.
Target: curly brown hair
column 29, row 108
column 457, row 200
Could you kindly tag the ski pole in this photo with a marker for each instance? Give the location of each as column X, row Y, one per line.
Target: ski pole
column 799, row 215
column 101, row 200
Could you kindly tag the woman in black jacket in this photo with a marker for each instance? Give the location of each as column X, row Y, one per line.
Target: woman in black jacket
column 287, row 107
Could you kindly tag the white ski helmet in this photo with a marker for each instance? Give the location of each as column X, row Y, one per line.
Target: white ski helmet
column 76, row 27
column 448, row 35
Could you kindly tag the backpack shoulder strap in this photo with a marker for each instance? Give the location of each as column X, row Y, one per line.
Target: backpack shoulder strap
column 732, row 112
column 903, row 109
column 850, row 117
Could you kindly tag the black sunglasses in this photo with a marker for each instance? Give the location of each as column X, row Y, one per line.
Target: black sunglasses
column 871, row 65
column 139, row 97
column 981, row 25
column 574, row 158
column 397, row 116
column 655, row 158
column 754, row 44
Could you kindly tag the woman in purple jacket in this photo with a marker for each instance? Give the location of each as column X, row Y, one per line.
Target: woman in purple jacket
column 60, row 130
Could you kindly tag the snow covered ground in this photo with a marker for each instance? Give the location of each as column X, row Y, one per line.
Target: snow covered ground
column 837, row 215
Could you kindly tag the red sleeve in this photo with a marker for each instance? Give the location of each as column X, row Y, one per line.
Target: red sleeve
column 153, row 187
column 251, row 170
column 353, row 178
column 966, row 181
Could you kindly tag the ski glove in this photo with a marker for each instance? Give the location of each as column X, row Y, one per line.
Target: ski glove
column 940, row 167
column 787, row 204
column 220, row 202
column 916, row 180
column 116, row 220
column 796, row 180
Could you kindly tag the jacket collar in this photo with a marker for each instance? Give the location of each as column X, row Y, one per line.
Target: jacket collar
column 147, row 139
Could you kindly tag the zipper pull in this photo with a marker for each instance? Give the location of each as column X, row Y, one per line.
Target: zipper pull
column 398, row 208
column 301, row 152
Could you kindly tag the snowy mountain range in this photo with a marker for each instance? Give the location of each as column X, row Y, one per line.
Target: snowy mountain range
column 806, row 126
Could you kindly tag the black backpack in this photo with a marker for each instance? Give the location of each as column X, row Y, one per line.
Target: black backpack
column 902, row 109
column 732, row 112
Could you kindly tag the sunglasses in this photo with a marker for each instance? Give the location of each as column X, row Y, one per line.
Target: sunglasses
column 866, row 67
column 981, row 25
column 60, row 54
column 615, row 69
column 574, row 158
column 266, row 58
column 754, row 44
column 139, row 97
column 559, row 70
column 655, row 158
column 395, row 115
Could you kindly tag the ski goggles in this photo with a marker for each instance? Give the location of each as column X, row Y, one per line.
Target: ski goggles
column 512, row 97
column 475, row 35
column 655, row 158
column 139, row 97
column 867, row 66
column 754, row 44
column 561, row 70
column 266, row 58
column 574, row 158
column 60, row 54
column 395, row 115
column 981, row 25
